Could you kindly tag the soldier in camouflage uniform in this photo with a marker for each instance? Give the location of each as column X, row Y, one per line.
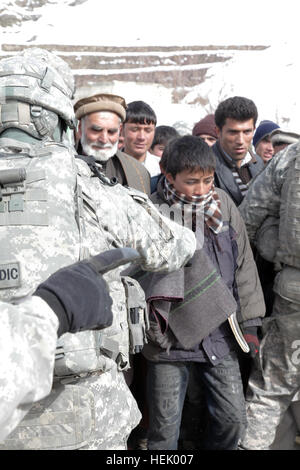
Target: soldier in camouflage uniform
column 29, row 331
column 28, row 336
column 274, row 195
column 90, row 405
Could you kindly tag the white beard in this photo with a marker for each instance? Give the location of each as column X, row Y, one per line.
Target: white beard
column 101, row 154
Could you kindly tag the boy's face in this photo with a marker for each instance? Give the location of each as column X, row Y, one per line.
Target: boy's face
column 158, row 150
column 265, row 149
column 196, row 183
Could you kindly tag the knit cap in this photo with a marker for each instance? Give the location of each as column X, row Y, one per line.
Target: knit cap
column 264, row 130
column 207, row 126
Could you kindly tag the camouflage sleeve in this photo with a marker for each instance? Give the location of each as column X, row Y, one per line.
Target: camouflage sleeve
column 169, row 245
column 129, row 219
column 263, row 196
column 27, row 348
column 163, row 244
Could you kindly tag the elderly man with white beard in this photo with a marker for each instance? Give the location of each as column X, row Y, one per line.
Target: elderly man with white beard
column 100, row 124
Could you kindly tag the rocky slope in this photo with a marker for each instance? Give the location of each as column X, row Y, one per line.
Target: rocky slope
column 178, row 68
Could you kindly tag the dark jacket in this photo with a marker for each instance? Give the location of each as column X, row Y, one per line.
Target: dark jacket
column 231, row 254
column 224, row 178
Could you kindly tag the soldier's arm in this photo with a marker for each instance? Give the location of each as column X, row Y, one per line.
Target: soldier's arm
column 28, row 336
column 263, row 197
column 163, row 244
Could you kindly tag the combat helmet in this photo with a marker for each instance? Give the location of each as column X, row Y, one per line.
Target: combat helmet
column 36, row 91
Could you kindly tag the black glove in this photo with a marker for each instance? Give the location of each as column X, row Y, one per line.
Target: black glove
column 78, row 294
column 251, row 336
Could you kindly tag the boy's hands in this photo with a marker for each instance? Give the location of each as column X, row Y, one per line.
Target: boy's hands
column 251, row 336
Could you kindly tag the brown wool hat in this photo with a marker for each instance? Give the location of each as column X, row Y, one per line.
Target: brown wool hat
column 206, row 126
column 101, row 102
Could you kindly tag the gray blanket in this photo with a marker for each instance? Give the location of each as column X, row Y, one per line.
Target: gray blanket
column 192, row 301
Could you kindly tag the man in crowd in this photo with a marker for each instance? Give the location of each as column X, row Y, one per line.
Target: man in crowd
column 138, row 131
column 236, row 164
column 100, row 123
column 262, row 140
column 206, row 129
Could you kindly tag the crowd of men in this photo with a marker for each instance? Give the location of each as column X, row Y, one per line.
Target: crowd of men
column 124, row 327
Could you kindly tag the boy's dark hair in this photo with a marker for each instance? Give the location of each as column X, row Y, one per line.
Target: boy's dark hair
column 140, row 112
column 238, row 108
column 188, row 153
column 163, row 134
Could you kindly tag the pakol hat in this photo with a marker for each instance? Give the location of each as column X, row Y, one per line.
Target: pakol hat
column 207, row 126
column 101, row 102
column 284, row 137
column 264, row 130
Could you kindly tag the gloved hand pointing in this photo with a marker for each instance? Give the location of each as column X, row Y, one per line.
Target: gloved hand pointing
column 78, row 294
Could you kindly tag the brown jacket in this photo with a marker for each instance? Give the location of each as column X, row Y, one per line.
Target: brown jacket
column 136, row 174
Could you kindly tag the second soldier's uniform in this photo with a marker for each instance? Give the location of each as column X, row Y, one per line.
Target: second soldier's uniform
column 28, row 336
column 273, row 386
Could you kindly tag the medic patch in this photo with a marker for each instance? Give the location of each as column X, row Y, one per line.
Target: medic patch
column 10, row 275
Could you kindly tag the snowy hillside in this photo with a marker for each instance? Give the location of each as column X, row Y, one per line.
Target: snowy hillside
column 182, row 73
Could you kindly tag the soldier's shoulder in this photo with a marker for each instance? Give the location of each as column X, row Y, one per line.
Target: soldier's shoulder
column 82, row 165
column 284, row 157
column 86, row 167
column 277, row 168
column 135, row 194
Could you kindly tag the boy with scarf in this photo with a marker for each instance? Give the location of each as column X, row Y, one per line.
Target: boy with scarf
column 187, row 332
